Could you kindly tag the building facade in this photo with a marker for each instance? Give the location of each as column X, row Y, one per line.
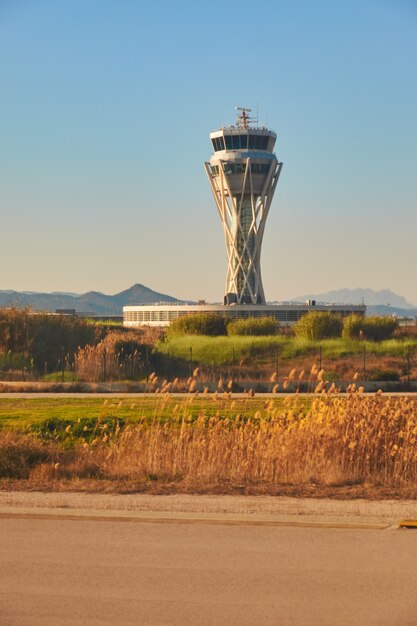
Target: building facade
column 285, row 314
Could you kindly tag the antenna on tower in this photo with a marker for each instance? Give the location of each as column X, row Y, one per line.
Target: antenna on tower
column 243, row 118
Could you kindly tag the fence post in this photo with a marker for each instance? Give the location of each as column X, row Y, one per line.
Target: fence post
column 62, row 365
column 408, row 367
column 147, row 363
column 364, row 363
column 277, row 362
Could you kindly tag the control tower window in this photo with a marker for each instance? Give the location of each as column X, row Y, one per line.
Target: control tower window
column 218, row 144
column 259, row 168
column 228, row 142
column 236, row 142
column 239, row 168
column 241, row 142
column 258, row 142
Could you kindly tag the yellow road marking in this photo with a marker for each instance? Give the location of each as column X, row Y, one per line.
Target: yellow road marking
column 408, row 523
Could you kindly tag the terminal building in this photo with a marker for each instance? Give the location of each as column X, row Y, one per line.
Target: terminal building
column 243, row 172
column 287, row 314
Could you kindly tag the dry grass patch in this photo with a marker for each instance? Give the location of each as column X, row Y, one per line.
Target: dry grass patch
column 334, row 444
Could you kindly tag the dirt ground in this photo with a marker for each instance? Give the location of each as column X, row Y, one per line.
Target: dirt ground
column 194, row 507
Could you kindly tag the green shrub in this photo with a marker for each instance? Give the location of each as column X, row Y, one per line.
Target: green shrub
column 383, row 375
column 370, row 328
column 12, row 360
column 199, row 324
column 318, row 325
column 353, row 327
column 56, row 377
column 69, row 431
column 379, row 328
column 253, row 326
column 42, row 338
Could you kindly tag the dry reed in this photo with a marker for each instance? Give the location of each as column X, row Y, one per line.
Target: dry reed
column 337, row 440
column 107, row 359
column 334, row 440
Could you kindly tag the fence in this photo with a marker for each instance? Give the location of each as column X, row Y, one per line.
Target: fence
column 262, row 368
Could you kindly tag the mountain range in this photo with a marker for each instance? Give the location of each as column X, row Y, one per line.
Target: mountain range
column 384, row 297
column 383, row 302
column 90, row 302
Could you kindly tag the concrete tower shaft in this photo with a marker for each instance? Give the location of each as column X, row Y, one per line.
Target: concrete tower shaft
column 243, row 173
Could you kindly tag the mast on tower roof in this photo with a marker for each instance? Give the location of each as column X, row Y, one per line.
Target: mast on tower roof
column 243, row 119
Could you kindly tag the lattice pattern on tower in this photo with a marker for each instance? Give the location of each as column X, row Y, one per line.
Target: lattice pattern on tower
column 243, row 173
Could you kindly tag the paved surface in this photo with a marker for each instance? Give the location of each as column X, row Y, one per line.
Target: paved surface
column 56, row 572
column 69, row 559
column 248, row 509
column 87, row 394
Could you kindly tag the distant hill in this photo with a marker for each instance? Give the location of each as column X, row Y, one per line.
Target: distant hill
column 384, row 297
column 91, row 302
column 383, row 302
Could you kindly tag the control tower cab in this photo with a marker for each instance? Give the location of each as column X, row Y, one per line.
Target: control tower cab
column 243, row 173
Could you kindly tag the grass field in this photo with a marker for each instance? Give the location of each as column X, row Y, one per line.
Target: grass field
column 219, row 350
column 324, row 445
column 25, row 413
column 252, row 359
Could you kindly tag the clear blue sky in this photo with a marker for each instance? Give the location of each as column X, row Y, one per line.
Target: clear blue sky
column 105, row 112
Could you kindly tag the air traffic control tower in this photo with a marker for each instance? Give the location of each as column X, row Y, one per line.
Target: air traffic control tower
column 243, row 174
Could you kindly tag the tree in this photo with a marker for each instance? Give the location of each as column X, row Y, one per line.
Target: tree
column 353, row 326
column 199, row 324
column 318, row 325
column 253, row 326
column 372, row 328
column 42, row 338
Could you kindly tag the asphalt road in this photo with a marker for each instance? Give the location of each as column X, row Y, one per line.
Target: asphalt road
column 104, row 395
column 66, row 571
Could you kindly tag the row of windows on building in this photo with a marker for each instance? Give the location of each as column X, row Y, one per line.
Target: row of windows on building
column 150, row 316
column 239, row 168
column 283, row 315
column 241, row 142
column 170, row 316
